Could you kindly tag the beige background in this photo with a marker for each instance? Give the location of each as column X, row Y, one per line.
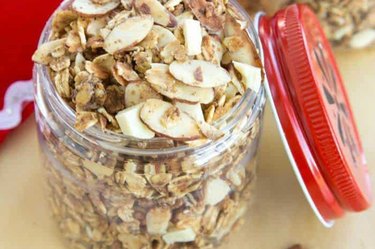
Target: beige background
column 280, row 216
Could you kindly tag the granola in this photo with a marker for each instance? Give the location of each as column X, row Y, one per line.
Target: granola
column 105, row 57
column 148, row 69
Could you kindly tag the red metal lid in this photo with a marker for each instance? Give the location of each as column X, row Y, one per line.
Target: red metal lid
column 314, row 113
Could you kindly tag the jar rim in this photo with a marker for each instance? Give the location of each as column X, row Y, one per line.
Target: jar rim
column 118, row 142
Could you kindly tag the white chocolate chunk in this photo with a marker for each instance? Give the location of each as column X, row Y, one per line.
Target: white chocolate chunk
column 216, row 191
column 180, row 236
column 128, row 34
column 193, row 37
column 251, row 76
column 131, row 124
column 194, row 110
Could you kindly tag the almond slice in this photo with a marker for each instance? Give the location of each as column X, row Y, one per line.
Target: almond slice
column 185, row 235
column 193, row 36
column 244, row 50
column 91, row 9
column 199, row 73
column 164, row 83
column 43, row 54
column 131, row 124
column 164, row 36
column 160, row 14
column 251, row 76
column 128, row 34
column 168, row 121
column 138, row 92
column 195, row 111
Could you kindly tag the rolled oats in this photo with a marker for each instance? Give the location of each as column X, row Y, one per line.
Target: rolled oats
column 161, row 69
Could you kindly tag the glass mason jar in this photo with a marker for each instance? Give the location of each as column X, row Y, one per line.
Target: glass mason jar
column 112, row 191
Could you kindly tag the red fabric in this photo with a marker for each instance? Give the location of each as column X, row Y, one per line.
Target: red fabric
column 21, row 24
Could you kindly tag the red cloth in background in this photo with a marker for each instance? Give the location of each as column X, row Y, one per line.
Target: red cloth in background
column 21, row 24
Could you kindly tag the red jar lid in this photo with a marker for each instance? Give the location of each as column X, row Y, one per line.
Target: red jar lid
column 313, row 113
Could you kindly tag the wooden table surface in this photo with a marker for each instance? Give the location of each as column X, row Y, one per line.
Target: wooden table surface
column 279, row 217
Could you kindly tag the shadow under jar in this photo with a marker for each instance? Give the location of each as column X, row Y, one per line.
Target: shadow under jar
column 113, row 191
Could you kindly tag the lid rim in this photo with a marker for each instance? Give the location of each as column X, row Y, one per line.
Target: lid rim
column 315, row 117
column 289, row 39
column 323, row 202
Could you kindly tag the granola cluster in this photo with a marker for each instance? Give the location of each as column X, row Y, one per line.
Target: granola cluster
column 151, row 68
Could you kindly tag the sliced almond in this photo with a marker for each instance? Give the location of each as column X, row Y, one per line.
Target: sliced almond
column 91, row 9
column 193, row 37
column 43, row 54
column 157, row 115
column 180, row 236
column 195, row 111
column 128, row 34
column 199, row 73
column 164, row 36
column 244, row 50
column 251, row 76
column 160, row 14
column 138, row 92
column 216, row 191
column 164, row 83
column 131, row 124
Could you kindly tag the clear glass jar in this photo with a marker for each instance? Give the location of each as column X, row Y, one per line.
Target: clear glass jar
column 111, row 191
